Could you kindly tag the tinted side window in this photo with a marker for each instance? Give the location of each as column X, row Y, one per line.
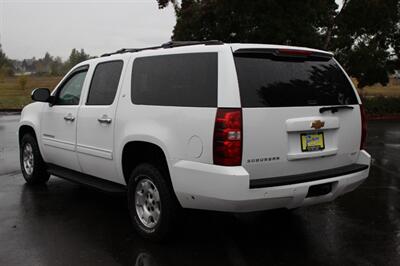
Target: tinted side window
column 272, row 82
column 176, row 80
column 70, row 92
column 105, row 82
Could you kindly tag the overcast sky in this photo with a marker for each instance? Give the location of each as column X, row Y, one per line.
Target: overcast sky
column 31, row 27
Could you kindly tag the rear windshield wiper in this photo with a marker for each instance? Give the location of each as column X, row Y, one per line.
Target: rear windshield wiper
column 335, row 109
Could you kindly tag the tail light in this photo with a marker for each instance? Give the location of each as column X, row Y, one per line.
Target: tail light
column 227, row 146
column 363, row 128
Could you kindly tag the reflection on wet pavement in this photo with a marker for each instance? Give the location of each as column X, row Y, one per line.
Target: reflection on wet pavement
column 9, row 161
column 66, row 224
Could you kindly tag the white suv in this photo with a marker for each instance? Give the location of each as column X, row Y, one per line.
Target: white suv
column 204, row 125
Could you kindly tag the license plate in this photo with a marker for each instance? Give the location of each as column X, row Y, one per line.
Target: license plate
column 312, row 141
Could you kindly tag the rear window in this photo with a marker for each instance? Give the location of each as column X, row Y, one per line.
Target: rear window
column 176, row 80
column 269, row 81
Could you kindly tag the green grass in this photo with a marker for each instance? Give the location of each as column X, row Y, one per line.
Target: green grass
column 391, row 90
column 12, row 96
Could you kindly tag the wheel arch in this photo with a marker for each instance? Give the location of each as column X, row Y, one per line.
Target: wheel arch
column 29, row 129
column 30, row 122
column 25, row 129
column 136, row 152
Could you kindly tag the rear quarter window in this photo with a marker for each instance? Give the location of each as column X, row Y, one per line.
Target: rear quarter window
column 176, row 80
column 266, row 81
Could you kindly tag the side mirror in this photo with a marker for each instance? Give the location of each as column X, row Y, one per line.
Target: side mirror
column 41, row 95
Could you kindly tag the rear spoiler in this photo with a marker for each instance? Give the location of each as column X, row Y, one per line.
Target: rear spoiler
column 284, row 53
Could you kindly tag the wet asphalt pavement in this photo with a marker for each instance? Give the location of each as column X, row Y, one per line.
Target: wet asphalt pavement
column 67, row 224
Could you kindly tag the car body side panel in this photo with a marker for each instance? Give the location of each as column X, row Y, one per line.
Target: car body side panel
column 175, row 130
column 183, row 133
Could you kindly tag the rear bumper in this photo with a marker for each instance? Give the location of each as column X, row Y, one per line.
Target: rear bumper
column 308, row 177
column 211, row 187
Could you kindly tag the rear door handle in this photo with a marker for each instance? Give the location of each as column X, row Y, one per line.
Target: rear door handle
column 104, row 120
column 69, row 117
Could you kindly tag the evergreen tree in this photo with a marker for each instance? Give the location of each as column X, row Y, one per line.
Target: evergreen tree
column 76, row 57
column 364, row 34
column 6, row 68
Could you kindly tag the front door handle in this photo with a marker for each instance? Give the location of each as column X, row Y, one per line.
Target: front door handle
column 104, row 120
column 69, row 117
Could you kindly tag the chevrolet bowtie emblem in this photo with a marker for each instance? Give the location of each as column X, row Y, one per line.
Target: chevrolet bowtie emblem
column 317, row 124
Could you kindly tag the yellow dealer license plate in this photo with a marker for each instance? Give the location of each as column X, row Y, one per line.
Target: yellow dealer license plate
column 312, row 141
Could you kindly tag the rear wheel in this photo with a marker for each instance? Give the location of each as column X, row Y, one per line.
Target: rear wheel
column 151, row 204
column 32, row 165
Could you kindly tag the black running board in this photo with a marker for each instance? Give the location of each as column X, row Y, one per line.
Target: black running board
column 86, row 180
column 308, row 177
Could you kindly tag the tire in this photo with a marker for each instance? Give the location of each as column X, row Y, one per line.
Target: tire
column 32, row 165
column 160, row 213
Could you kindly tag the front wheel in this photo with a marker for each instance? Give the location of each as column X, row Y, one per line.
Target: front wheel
column 32, row 165
column 152, row 207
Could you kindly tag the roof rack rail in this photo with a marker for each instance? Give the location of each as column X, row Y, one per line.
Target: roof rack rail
column 172, row 44
column 166, row 45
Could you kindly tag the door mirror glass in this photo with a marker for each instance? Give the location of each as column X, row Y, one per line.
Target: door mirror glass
column 41, row 95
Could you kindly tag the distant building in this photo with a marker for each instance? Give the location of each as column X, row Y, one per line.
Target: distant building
column 24, row 67
column 28, row 65
column 17, row 65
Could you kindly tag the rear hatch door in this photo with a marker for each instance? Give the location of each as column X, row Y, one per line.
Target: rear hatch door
column 301, row 114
